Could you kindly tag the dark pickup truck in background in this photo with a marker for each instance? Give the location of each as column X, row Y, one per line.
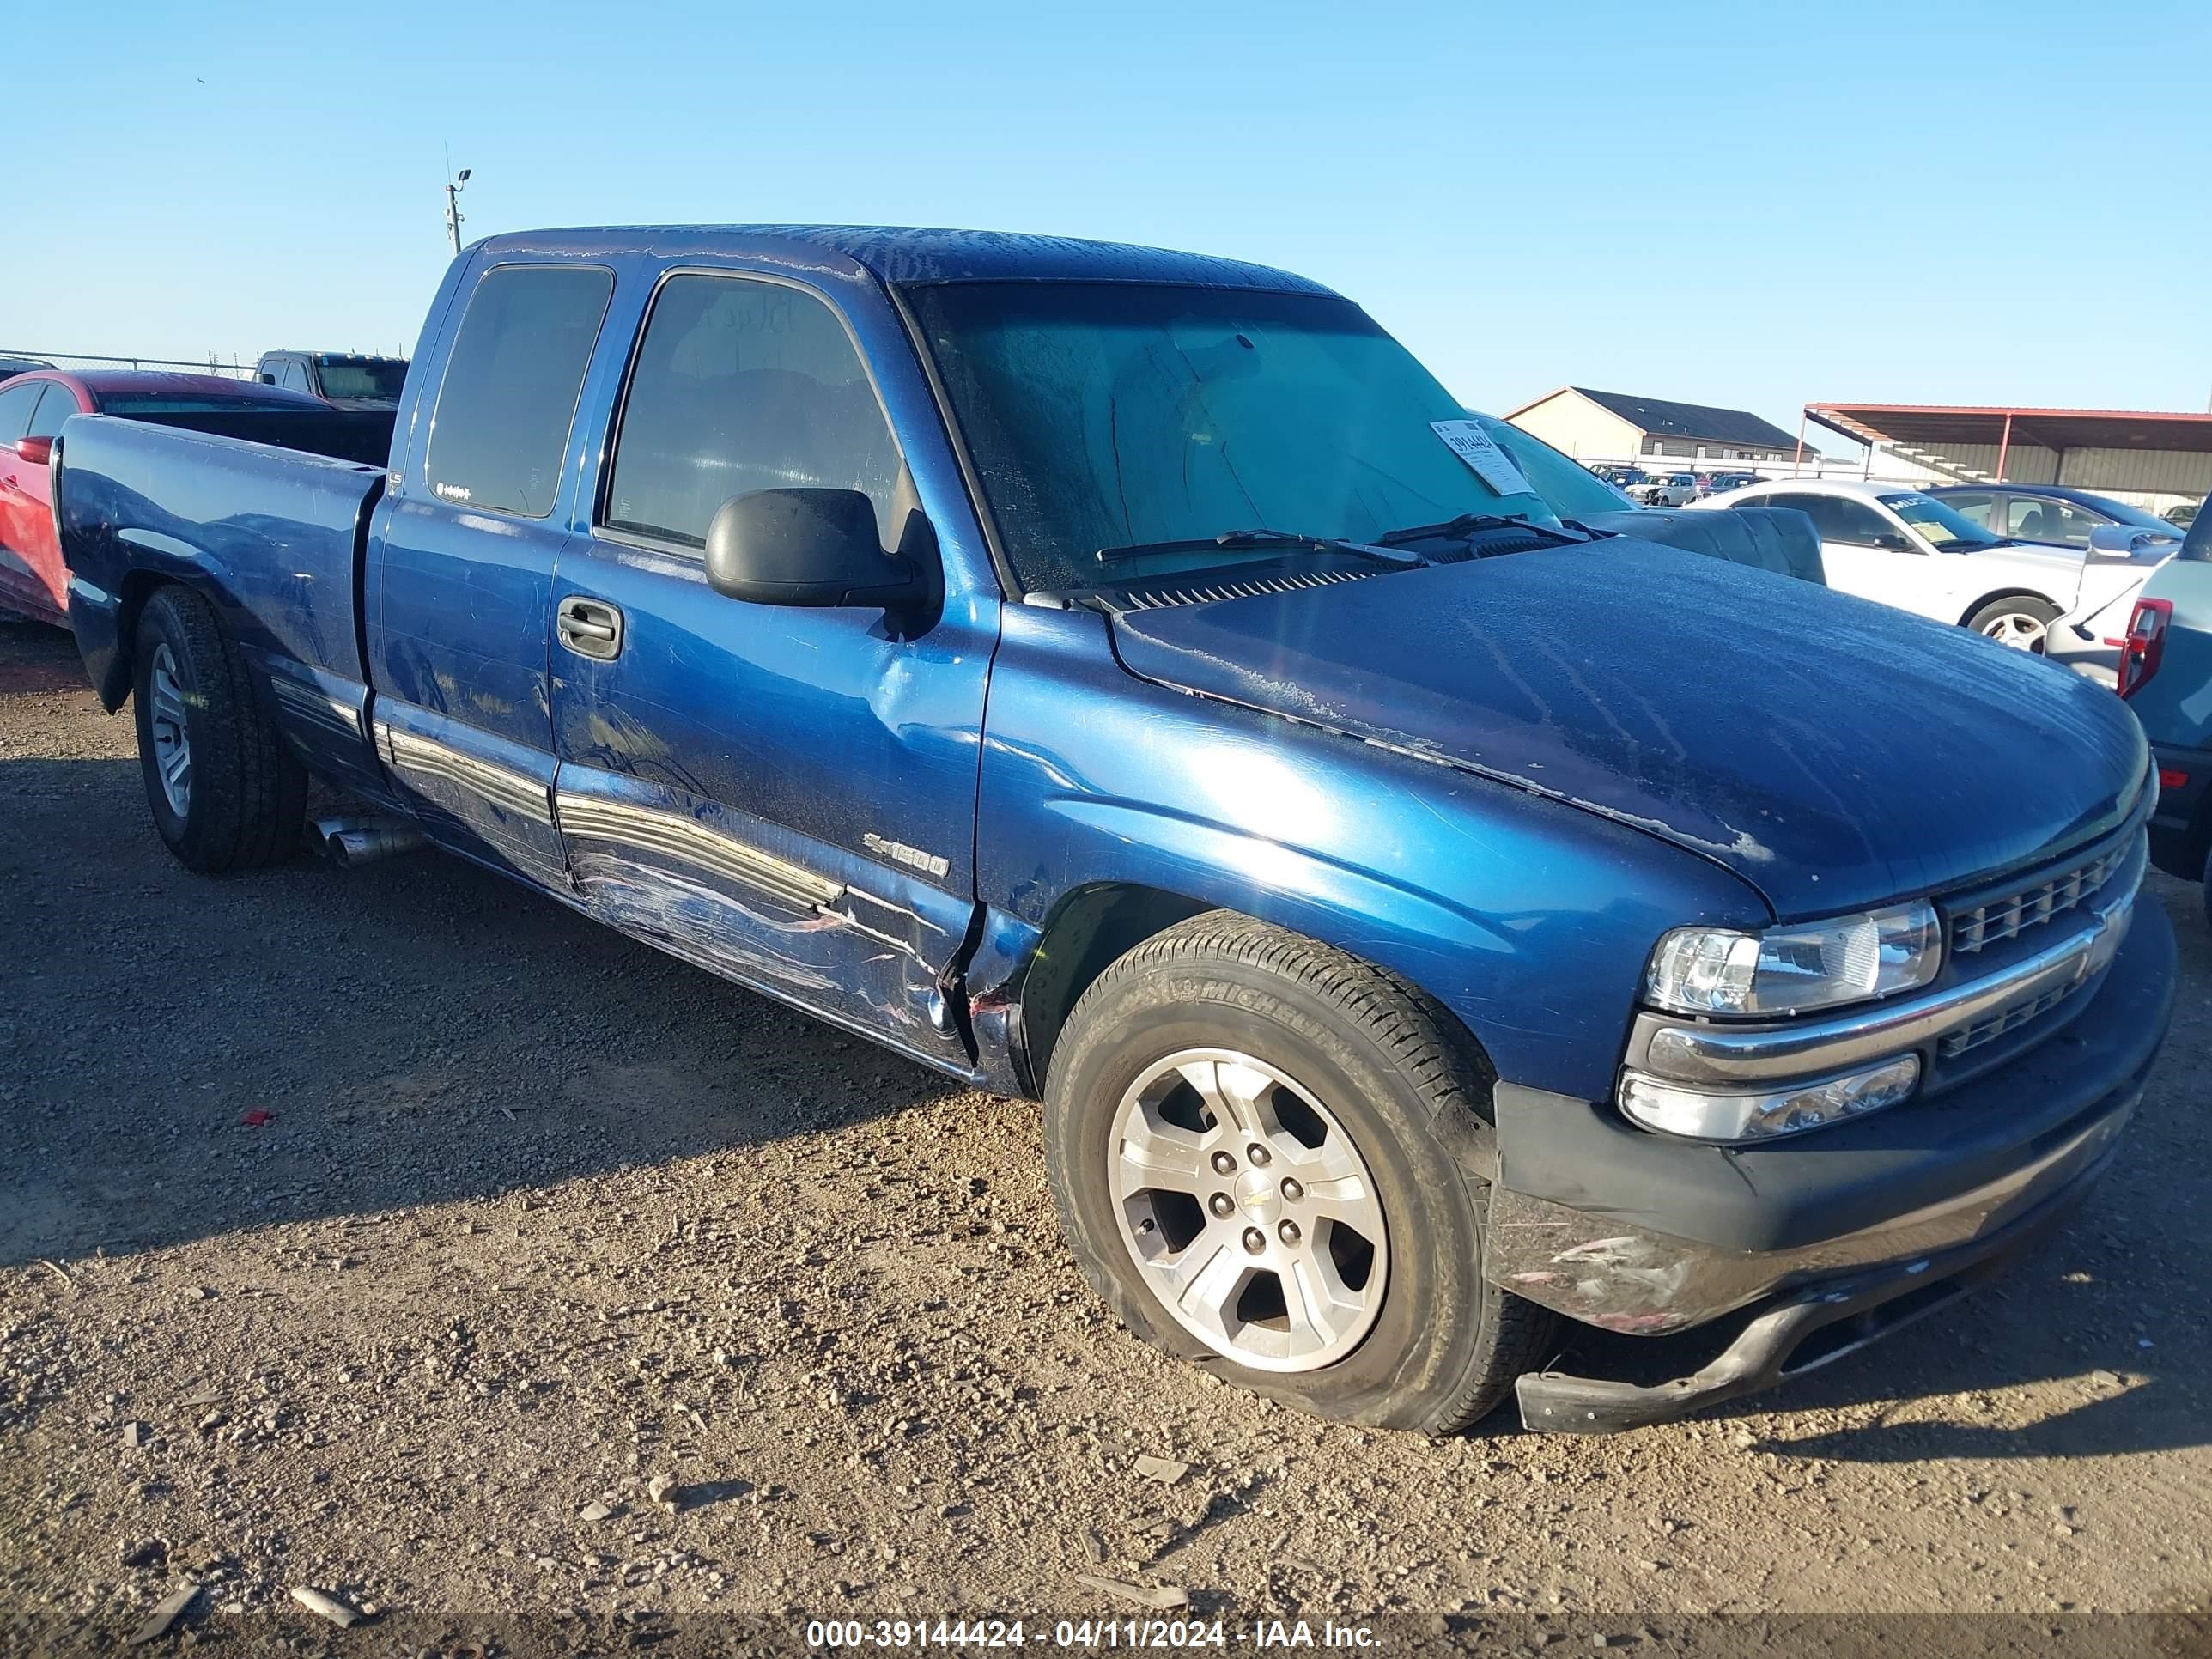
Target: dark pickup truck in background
column 350, row 380
column 1129, row 679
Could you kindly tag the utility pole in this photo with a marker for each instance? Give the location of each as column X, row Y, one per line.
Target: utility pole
column 453, row 209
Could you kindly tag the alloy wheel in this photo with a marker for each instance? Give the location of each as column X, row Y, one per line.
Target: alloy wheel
column 2017, row 630
column 1251, row 1214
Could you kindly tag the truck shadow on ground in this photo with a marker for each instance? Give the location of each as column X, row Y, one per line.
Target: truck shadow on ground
column 185, row 1057
column 417, row 1032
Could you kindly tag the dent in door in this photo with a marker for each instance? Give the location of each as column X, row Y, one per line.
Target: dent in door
column 477, row 794
column 863, row 946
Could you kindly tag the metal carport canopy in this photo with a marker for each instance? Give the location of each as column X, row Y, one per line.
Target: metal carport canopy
column 1933, row 425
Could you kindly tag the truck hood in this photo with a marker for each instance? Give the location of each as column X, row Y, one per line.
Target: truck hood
column 1832, row 752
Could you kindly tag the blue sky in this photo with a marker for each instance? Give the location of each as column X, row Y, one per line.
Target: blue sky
column 1753, row 205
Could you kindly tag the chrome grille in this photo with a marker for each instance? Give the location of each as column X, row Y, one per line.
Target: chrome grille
column 1952, row 1044
column 2010, row 915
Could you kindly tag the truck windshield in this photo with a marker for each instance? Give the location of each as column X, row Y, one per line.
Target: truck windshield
column 1103, row 415
column 363, row 379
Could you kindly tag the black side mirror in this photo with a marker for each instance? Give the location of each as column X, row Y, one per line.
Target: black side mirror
column 811, row 547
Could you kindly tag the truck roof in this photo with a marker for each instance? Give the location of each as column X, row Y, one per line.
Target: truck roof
column 910, row 256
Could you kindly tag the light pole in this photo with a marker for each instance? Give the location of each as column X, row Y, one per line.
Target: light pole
column 453, row 209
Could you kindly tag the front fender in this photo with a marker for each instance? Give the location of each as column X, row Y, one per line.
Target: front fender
column 1529, row 919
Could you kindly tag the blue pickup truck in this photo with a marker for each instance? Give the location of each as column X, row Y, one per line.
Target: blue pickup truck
column 1127, row 680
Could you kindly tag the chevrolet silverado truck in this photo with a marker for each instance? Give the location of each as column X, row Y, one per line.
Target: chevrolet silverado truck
column 1127, row 679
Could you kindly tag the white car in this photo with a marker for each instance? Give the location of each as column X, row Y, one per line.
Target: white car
column 1665, row 489
column 1900, row 546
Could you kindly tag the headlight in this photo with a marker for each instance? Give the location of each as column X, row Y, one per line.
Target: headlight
column 1815, row 964
column 1675, row 1110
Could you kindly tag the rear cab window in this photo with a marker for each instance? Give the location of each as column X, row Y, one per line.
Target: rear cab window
column 511, row 386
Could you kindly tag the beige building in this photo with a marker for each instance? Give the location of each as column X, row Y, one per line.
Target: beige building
column 1615, row 426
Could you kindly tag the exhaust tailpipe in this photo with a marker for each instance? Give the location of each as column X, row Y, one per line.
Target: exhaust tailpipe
column 358, row 841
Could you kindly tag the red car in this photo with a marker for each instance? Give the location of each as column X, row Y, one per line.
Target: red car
column 32, row 410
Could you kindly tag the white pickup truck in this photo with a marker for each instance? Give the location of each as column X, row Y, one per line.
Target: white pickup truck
column 1902, row 547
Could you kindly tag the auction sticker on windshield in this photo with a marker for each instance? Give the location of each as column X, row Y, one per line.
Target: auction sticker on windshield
column 1480, row 450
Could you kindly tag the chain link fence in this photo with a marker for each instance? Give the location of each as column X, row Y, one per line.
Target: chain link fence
column 12, row 362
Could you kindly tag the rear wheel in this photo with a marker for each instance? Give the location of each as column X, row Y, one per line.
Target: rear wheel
column 2019, row 620
column 225, row 790
column 1259, row 1147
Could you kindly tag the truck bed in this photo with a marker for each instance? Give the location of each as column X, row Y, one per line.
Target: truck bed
column 268, row 527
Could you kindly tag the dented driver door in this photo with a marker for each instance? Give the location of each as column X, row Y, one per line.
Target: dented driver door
column 784, row 795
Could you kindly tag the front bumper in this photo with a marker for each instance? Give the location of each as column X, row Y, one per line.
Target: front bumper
column 1865, row 1221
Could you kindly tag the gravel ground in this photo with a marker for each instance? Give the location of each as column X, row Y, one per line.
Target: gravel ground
column 389, row 1231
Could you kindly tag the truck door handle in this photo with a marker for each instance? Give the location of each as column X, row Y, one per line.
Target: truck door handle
column 590, row 627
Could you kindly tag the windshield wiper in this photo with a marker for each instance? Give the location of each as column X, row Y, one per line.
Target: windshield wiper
column 1474, row 524
column 1236, row 540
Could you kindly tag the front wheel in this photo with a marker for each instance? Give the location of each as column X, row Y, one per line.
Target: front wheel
column 226, row 792
column 1259, row 1147
column 2019, row 620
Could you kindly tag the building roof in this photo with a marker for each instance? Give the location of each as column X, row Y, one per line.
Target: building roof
column 1661, row 417
column 1934, row 425
column 901, row 255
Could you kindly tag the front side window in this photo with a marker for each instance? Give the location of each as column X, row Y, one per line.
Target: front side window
column 741, row 384
column 1835, row 518
column 511, row 386
column 294, row 378
column 1855, row 522
column 1106, row 416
